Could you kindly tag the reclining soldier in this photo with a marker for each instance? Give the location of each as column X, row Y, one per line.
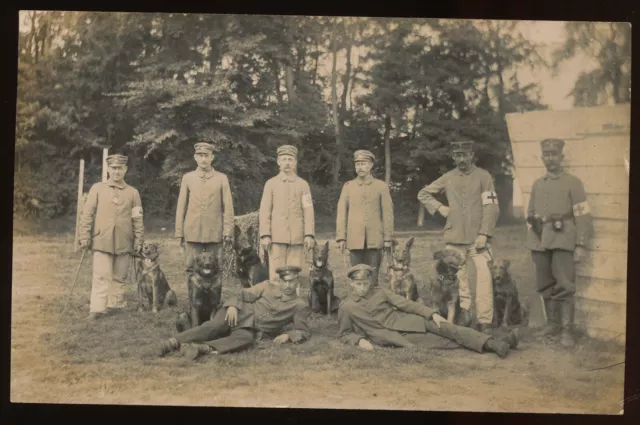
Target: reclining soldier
column 264, row 309
column 375, row 315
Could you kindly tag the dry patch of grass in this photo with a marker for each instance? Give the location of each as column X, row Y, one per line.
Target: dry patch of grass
column 102, row 362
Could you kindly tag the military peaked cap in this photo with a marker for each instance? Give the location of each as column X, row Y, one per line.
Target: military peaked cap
column 288, row 272
column 463, row 146
column 117, row 159
column 363, row 155
column 552, row 145
column 360, row 272
column 288, row 150
column 204, row 147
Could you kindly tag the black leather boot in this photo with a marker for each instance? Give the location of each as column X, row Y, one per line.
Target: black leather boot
column 552, row 327
column 497, row 346
column 167, row 346
column 193, row 351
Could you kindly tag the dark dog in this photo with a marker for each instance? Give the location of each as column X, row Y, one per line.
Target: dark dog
column 401, row 279
column 321, row 296
column 443, row 291
column 153, row 289
column 205, row 292
column 507, row 308
column 249, row 268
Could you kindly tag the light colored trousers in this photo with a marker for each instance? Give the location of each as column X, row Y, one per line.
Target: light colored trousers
column 282, row 254
column 484, row 281
column 109, row 276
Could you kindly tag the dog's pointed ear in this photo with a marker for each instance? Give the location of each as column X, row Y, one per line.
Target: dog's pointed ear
column 409, row 243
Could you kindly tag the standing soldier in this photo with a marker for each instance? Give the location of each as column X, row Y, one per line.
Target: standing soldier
column 204, row 215
column 111, row 225
column 364, row 223
column 471, row 218
column 286, row 214
column 559, row 227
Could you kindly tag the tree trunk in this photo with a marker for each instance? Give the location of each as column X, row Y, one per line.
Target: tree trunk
column 387, row 149
column 334, row 103
column 276, row 74
column 288, row 78
column 347, row 73
column 315, row 65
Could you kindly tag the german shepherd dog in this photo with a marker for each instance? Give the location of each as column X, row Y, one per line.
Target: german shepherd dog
column 508, row 310
column 154, row 291
column 205, row 292
column 443, row 291
column 249, row 269
column 321, row 296
column 401, row 279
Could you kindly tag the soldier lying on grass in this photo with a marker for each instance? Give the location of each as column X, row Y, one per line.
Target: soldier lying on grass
column 265, row 308
column 375, row 315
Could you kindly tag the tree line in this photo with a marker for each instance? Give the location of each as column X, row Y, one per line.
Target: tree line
column 150, row 85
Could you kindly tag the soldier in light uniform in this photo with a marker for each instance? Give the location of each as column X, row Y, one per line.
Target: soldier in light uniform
column 559, row 225
column 204, row 214
column 111, row 224
column 471, row 218
column 364, row 223
column 287, row 222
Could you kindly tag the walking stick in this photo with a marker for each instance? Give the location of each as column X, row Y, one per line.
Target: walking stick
column 84, row 251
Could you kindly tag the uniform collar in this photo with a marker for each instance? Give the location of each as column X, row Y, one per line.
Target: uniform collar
column 285, row 178
column 554, row 176
column 367, row 180
column 120, row 185
column 205, row 174
column 471, row 169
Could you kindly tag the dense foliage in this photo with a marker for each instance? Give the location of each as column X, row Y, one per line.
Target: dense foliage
column 151, row 85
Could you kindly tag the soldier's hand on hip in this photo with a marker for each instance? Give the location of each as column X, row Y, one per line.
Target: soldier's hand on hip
column 481, row 242
column 265, row 242
column 232, row 316
column 444, row 211
column 580, row 254
column 365, row 345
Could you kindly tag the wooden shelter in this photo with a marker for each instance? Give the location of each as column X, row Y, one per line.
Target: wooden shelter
column 596, row 150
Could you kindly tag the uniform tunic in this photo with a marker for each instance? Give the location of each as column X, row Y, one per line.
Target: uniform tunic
column 559, row 195
column 262, row 308
column 365, row 214
column 204, row 213
column 473, row 204
column 114, row 228
column 286, row 210
column 385, row 318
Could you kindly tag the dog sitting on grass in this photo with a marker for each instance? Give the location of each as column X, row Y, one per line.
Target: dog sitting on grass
column 321, row 296
column 508, row 310
column 401, row 280
column 154, row 291
column 205, row 292
column 443, row 290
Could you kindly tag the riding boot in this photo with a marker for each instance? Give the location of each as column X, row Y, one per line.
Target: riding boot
column 167, row 346
column 568, row 310
column 494, row 345
column 193, row 351
column 552, row 326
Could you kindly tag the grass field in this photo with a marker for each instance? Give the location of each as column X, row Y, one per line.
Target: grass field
column 101, row 363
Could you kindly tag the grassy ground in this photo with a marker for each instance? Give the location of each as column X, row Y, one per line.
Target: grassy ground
column 101, row 363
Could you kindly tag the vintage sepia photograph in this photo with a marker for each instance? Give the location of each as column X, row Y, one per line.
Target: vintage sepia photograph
column 329, row 212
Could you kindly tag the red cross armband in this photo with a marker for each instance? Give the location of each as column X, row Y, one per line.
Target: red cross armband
column 581, row 208
column 489, row 197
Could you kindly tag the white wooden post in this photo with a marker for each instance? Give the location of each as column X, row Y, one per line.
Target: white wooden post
column 105, row 153
column 420, row 215
column 79, row 204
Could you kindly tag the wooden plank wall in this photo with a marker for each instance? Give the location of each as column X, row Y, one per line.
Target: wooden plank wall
column 596, row 144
